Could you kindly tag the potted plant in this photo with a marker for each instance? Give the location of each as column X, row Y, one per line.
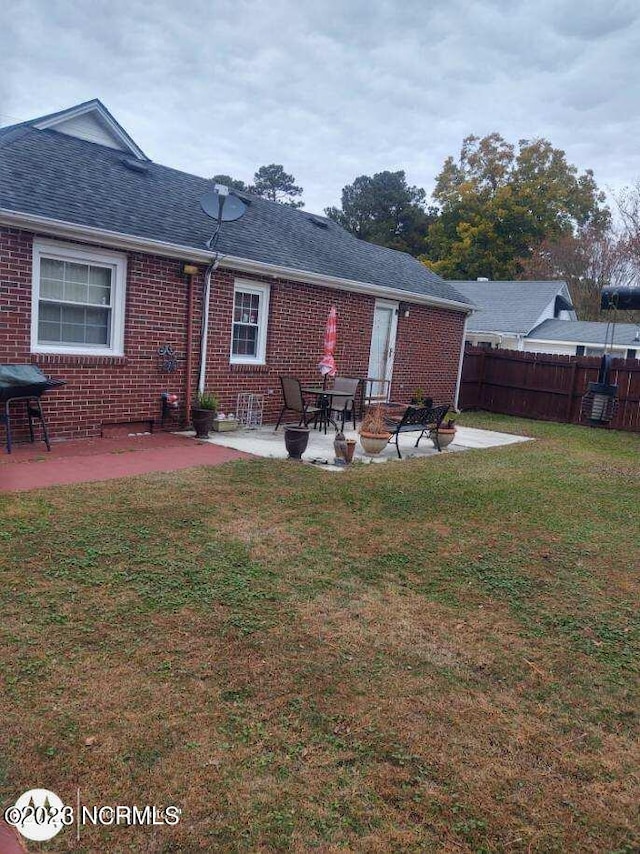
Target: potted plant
column 203, row 411
column 374, row 435
column 445, row 434
column 420, row 398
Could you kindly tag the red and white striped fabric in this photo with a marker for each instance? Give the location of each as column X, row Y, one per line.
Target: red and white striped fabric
column 327, row 365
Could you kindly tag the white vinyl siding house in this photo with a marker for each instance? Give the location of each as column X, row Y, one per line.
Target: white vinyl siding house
column 585, row 338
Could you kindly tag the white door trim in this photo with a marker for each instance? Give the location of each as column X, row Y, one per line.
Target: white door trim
column 391, row 344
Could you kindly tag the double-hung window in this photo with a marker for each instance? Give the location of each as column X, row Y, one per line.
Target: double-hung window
column 78, row 300
column 249, row 326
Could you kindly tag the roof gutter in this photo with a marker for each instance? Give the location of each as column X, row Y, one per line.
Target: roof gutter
column 260, row 268
column 117, row 240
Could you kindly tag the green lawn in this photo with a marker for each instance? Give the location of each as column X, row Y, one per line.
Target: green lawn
column 433, row 655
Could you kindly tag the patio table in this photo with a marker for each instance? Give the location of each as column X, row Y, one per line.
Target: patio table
column 325, row 398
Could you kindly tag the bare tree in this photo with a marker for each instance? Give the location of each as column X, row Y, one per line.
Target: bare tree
column 587, row 261
column 628, row 201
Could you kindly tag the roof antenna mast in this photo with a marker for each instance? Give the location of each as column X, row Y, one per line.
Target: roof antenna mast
column 222, row 207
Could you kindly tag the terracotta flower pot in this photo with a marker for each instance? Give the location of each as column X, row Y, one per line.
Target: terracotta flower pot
column 373, row 443
column 295, row 440
column 351, row 448
column 446, row 435
column 202, row 420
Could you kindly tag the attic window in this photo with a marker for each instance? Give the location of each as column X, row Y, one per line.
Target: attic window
column 320, row 223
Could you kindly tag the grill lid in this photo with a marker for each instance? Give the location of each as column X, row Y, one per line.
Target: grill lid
column 21, row 375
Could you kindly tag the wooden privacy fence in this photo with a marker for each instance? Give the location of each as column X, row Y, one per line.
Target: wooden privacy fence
column 545, row 386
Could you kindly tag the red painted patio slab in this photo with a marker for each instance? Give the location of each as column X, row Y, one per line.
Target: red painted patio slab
column 33, row 467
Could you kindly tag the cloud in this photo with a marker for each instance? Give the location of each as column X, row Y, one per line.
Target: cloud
column 331, row 89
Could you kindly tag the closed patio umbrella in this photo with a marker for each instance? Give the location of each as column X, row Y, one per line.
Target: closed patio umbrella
column 327, row 365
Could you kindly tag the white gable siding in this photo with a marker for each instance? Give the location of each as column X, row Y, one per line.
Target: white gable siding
column 555, row 347
column 88, row 127
column 547, row 314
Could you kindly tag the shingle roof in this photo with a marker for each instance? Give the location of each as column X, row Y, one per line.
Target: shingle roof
column 508, row 306
column 50, row 174
column 586, row 332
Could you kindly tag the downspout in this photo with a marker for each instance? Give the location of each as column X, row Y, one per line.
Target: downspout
column 191, row 272
column 459, row 380
column 212, row 244
column 204, row 336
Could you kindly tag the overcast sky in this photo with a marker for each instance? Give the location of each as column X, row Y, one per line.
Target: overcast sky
column 333, row 89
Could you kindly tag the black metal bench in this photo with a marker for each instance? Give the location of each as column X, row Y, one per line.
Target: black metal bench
column 422, row 419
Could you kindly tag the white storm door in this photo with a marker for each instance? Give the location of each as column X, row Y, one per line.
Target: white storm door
column 383, row 345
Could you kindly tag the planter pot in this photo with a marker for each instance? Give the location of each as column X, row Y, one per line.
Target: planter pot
column 202, row 420
column 226, row 425
column 374, row 443
column 446, row 435
column 295, row 440
column 351, row 447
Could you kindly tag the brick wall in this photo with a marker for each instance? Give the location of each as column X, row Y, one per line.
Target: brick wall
column 427, row 353
column 99, row 388
column 297, row 320
column 107, row 390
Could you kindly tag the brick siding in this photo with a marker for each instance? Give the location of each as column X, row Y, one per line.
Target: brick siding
column 106, row 390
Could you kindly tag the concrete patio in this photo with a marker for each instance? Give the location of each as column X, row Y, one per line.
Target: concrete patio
column 266, row 442
column 32, row 467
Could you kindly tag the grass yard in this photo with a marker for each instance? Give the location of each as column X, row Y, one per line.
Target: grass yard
column 429, row 656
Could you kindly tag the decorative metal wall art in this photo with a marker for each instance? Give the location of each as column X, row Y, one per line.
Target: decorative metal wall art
column 168, row 359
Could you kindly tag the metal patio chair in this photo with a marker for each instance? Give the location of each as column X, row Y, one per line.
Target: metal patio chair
column 293, row 400
column 348, row 409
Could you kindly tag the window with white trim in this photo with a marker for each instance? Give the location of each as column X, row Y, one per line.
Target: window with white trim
column 78, row 300
column 249, row 325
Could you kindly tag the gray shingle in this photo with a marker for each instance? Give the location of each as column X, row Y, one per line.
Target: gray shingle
column 587, row 332
column 508, row 306
column 49, row 174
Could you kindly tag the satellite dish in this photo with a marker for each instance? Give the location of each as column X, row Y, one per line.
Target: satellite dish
column 222, row 208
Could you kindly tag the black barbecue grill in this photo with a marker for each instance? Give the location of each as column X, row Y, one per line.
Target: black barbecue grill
column 26, row 383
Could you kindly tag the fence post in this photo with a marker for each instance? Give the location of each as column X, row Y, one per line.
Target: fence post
column 572, row 386
column 480, row 401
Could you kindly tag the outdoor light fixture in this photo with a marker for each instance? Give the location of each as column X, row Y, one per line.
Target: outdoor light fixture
column 599, row 403
column 404, row 309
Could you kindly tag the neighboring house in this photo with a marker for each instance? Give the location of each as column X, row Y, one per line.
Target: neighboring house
column 585, row 338
column 538, row 317
column 508, row 311
column 102, row 262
